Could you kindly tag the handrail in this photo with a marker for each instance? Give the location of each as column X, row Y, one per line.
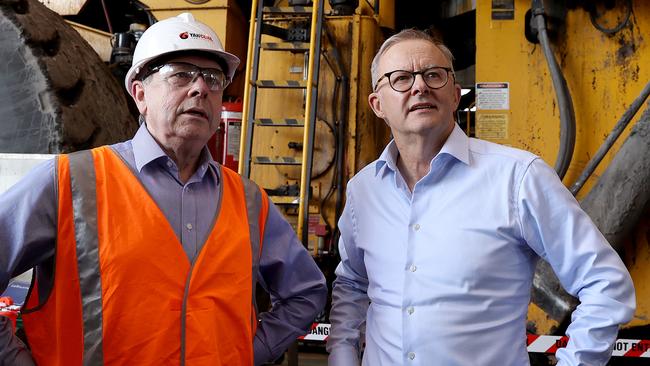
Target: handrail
column 310, row 119
column 247, row 87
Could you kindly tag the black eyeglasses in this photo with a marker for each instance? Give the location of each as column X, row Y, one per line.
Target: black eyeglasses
column 180, row 74
column 401, row 80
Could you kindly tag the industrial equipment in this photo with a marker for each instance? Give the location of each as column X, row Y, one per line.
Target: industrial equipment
column 563, row 79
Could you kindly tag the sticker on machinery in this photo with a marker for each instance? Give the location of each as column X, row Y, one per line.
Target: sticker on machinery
column 493, row 96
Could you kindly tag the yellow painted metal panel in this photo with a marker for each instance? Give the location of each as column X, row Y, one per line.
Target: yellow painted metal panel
column 356, row 69
column 541, row 322
column 604, row 73
column 373, row 133
column 386, row 16
column 638, row 262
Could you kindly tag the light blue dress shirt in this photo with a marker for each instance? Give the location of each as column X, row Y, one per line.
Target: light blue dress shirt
column 447, row 269
column 28, row 220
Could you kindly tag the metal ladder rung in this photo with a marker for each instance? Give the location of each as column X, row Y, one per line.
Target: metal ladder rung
column 286, row 46
column 263, row 23
column 281, row 84
column 287, row 10
column 286, row 122
column 285, row 200
column 281, row 160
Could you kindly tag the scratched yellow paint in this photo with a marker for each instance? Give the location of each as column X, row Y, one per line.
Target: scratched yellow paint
column 604, row 74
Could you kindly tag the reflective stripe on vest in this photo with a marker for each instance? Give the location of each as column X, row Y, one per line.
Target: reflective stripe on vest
column 254, row 207
column 84, row 211
column 93, row 318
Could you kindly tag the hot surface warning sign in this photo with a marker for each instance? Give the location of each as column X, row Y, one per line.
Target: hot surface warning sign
column 492, row 126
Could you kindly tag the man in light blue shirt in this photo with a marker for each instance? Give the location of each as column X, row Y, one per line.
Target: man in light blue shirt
column 440, row 237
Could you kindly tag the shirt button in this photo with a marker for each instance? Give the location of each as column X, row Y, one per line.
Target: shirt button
column 411, row 355
column 189, row 226
column 169, row 163
column 416, row 227
column 413, row 268
column 410, row 310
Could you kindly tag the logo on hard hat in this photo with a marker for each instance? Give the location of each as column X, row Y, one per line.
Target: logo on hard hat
column 186, row 35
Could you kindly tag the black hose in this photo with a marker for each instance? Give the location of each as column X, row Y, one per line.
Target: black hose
column 611, row 139
column 341, row 111
column 342, row 127
column 565, row 104
column 334, row 130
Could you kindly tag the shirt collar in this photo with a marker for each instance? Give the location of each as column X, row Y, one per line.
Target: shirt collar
column 457, row 145
column 388, row 158
column 147, row 150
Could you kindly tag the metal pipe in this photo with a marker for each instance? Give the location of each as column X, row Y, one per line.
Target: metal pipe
column 565, row 104
column 342, row 112
column 342, row 125
column 469, row 114
column 108, row 19
column 310, row 121
column 247, row 87
column 622, row 195
column 334, row 129
column 375, row 6
column 611, row 139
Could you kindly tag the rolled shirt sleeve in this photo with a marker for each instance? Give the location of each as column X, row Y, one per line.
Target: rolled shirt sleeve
column 559, row 231
column 296, row 285
column 349, row 296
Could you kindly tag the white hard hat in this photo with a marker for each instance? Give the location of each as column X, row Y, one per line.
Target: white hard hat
column 177, row 34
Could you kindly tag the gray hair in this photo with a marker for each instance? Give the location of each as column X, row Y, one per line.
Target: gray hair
column 407, row 35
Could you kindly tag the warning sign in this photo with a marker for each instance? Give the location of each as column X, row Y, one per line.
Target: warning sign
column 622, row 347
column 492, row 96
column 318, row 332
column 492, row 126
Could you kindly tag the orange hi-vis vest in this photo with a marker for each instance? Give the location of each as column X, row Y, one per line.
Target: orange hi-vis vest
column 124, row 291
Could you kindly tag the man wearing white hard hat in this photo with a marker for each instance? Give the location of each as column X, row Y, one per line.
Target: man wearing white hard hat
column 148, row 252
